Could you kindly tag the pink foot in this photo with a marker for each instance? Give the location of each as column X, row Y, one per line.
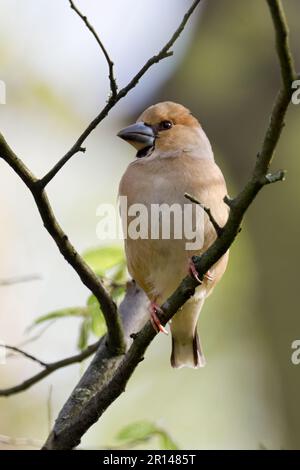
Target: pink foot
column 194, row 273
column 155, row 320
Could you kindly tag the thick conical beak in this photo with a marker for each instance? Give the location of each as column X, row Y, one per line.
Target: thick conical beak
column 139, row 135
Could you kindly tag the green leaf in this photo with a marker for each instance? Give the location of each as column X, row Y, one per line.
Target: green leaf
column 139, row 431
column 84, row 331
column 142, row 431
column 117, row 293
column 102, row 259
column 166, row 442
column 119, row 272
column 66, row 312
column 98, row 325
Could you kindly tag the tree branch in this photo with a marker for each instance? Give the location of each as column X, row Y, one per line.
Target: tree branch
column 112, row 79
column 25, row 354
column 74, row 421
column 86, row 274
column 215, row 224
column 286, row 60
column 134, row 314
column 49, row 367
column 19, row 280
column 114, row 99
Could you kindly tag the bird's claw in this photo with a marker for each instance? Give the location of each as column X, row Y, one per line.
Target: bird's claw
column 194, row 273
column 155, row 320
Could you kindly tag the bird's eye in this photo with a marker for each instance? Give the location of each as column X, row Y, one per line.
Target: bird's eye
column 164, row 125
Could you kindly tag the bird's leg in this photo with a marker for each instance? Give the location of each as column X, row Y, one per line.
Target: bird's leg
column 155, row 320
column 194, row 273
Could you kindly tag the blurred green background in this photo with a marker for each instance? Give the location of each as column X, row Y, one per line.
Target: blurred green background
column 226, row 71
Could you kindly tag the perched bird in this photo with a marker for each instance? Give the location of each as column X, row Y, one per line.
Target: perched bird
column 173, row 157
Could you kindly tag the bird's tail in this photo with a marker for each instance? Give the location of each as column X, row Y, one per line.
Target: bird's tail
column 187, row 354
column 186, row 346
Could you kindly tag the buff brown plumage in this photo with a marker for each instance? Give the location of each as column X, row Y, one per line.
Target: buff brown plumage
column 174, row 157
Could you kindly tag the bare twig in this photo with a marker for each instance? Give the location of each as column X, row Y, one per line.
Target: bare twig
column 19, row 441
column 215, row 224
column 134, row 314
column 19, row 280
column 25, row 354
column 163, row 53
column 49, row 368
column 86, row 274
column 114, row 99
column 112, row 79
column 288, row 72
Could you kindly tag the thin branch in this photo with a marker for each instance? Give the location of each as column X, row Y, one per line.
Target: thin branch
column 215, row 224
column 73, row 422
column 49, row 368
column 113, row 100
column 134, row 314
column 19, row 280
column 19, row 441
column 164, row 52
column 112, row 79
column 25, row 354
column 286, row 60
column 86, row 274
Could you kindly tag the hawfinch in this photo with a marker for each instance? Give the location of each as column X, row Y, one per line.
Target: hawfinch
column 174, row 157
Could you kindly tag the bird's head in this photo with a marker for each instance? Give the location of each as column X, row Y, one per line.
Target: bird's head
column 168, row 127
